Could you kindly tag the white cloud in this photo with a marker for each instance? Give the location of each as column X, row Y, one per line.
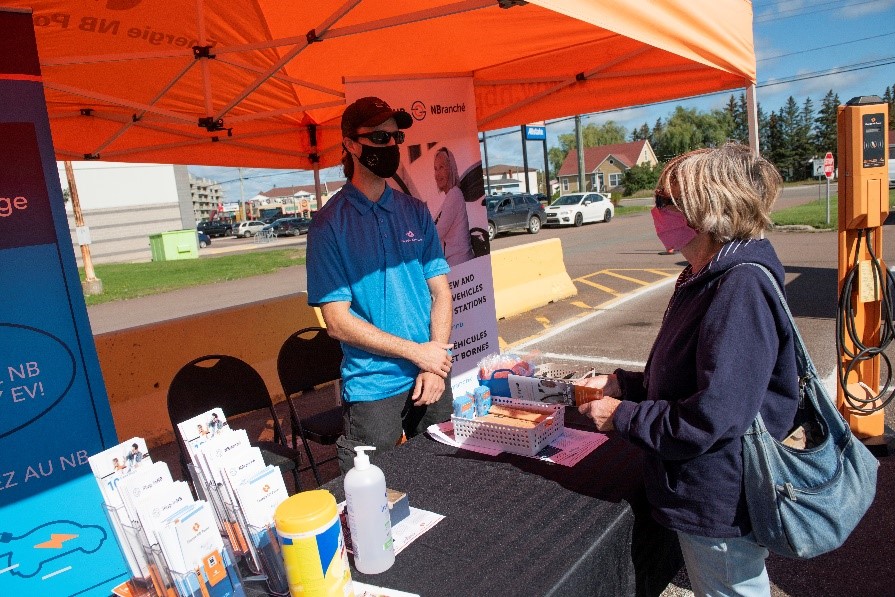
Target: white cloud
column 783, row 9
column 861, row 10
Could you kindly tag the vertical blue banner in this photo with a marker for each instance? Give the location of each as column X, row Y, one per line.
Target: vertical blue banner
column 54, row 412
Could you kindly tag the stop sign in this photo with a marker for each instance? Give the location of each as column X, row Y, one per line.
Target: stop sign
column 828, row 165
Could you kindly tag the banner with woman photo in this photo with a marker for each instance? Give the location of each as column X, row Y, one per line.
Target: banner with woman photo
column 441, row 165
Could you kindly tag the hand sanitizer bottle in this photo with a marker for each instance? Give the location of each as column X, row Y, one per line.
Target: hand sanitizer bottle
column 368, row 516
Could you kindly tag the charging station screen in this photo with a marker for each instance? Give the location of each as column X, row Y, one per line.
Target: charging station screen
column 874, row 140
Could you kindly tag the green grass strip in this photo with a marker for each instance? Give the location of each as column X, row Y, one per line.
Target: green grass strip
column 131, row 280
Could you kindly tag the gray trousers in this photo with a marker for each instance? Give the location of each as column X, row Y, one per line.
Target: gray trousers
column 380, row 423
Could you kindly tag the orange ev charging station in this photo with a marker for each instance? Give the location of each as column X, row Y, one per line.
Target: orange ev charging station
column 864, row 318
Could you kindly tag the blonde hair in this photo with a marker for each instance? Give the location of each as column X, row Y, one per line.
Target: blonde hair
column 727, row 191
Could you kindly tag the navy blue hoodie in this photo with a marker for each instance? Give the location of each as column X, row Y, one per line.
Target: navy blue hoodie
column 725, row 352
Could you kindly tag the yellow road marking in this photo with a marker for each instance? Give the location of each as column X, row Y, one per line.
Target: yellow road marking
column 582, row 305
column 599, row 287
column 628, row 278
column 543, row 321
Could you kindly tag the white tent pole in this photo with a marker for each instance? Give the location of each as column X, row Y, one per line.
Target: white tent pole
column 206, row 72
column 583, row 77
column 139, row 116
column 334, row 18
column 278, row 76
column 102, row 97
column 295, row 110
column 409, row 18
column 752, row 119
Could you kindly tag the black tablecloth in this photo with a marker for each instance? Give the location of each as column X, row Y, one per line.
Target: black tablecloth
column 518, row 526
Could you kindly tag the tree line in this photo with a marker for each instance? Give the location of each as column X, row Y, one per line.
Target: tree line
column 789, row 137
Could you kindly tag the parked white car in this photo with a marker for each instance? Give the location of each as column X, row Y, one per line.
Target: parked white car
column 578, row 208
column 249, row 228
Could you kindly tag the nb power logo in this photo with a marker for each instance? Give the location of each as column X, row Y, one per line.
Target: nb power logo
column 418, row 110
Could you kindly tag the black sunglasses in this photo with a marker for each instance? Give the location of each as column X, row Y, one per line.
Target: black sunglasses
column 382, row 137
column 663, row 200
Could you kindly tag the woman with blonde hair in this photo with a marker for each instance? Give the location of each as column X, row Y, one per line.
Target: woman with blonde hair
column 448, row 209
column 724, row 353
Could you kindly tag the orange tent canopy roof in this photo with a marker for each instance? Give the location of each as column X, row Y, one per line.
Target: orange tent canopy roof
column 239, row 82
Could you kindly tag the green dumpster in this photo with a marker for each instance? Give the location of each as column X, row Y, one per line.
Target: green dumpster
column 176, row 244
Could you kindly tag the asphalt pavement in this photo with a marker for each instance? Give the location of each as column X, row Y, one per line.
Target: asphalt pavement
column 618, row 331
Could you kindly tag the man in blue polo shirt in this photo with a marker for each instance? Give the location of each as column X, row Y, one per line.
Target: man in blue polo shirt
column 377, row 272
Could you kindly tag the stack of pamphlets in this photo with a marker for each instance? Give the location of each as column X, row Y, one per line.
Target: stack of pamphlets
column 173, row 539
column 243, row 491
column 109, row 467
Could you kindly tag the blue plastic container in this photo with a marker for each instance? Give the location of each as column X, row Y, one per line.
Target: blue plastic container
column 499, row 386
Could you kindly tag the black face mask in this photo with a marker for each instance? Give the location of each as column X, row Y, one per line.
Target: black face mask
column 381, row 160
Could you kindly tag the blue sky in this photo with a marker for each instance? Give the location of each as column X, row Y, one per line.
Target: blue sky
column 803, row 49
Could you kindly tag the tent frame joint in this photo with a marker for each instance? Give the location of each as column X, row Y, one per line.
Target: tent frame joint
column 200, row 52
column 314, row 158
column 312, row 36
column 213, row 125
column 511, row 3
column 581, row 77
column 91, row 157
column 86, row 111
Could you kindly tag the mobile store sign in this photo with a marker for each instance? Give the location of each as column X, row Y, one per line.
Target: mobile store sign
column 54, row 412
column 535, row 132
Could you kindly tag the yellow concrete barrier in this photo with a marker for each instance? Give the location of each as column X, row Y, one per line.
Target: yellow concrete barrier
column 529, row 276
column 139, row 363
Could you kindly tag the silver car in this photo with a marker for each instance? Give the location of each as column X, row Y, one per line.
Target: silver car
column 248, row 228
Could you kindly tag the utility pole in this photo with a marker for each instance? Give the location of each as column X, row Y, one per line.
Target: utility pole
column 487, row 175
column 91, row 284
column 525, row 159
column 242, row 200
column 579, row 141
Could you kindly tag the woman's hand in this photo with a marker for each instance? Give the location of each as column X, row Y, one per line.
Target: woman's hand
column 601, row 412
column 608, row 383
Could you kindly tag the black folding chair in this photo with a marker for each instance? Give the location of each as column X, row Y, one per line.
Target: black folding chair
column 309, row 358
column 233, row 385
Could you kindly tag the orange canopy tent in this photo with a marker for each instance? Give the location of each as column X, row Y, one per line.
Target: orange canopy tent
column 261, row 83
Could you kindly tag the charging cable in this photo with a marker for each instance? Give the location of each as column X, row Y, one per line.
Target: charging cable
column 845, row 324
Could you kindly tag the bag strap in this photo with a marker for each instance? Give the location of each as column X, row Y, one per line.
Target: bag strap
column 803, row 359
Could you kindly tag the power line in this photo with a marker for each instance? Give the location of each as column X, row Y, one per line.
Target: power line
column 844, row 43
column 811, row 9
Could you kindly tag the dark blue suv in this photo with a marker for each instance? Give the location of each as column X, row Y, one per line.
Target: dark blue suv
column 512, row 212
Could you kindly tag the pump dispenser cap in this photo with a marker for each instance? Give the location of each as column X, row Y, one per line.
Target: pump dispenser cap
column 362, row 460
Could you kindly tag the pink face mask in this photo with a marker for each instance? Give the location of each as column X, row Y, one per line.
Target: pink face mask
column 672, row 228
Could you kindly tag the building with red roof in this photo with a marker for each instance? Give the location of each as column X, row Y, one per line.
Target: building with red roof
column 604, row 166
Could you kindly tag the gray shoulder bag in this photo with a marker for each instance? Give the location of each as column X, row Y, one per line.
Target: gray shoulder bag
column 805, row 502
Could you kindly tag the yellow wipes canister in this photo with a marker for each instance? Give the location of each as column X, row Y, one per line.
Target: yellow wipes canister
column 313, row 547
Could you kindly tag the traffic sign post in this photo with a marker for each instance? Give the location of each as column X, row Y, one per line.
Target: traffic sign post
column 829, row 168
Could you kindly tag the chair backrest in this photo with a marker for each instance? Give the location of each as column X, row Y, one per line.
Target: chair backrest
column 216, row 380
column 308, row 358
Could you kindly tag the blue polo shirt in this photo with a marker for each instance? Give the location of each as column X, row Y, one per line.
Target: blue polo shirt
column 376, row 256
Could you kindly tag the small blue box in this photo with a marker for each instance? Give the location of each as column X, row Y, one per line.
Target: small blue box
column 482, row 397
column 464, row 407
column 398, row 506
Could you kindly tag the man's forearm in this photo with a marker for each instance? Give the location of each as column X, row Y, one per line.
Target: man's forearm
column 441, row 317
column 346, row 327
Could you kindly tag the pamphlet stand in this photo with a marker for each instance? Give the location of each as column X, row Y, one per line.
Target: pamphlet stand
column 258, row 548
column 270, row 553
column 145, row 581
column 218, row 571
